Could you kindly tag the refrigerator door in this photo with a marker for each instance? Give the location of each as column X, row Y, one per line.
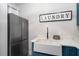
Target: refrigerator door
column 24, row 28
column 14, row 28
column 24, row 32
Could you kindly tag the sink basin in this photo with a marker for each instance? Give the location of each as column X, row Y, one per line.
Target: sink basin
column 48, row 46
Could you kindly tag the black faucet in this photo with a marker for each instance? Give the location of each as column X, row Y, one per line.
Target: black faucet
column 47, row 33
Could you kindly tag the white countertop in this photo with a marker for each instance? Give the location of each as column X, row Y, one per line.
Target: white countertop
column 65, row 42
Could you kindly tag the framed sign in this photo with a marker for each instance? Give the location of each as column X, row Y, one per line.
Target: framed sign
column 57, row 16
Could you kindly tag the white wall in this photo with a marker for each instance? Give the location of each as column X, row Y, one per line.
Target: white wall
column 66, row 29
column 3, row 29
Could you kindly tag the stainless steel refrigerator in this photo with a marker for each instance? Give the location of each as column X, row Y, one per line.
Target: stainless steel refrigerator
column 17, row 35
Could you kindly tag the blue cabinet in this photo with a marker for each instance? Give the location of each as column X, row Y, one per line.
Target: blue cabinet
column 69, row 51
column 77, row 13
column 77, row 52
column 40, row 54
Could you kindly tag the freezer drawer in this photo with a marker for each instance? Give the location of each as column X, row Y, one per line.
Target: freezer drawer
column 24, row 47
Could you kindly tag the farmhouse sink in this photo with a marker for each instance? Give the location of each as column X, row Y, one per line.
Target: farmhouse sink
column 48, row 46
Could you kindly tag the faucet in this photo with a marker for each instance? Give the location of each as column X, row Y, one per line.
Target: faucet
column 47, row 33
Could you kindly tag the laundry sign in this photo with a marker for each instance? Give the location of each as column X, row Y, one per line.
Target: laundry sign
column 57, row 16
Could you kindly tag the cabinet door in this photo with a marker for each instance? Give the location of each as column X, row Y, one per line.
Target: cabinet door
column 65, row 51
column 69, row 51
column 77, row 52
